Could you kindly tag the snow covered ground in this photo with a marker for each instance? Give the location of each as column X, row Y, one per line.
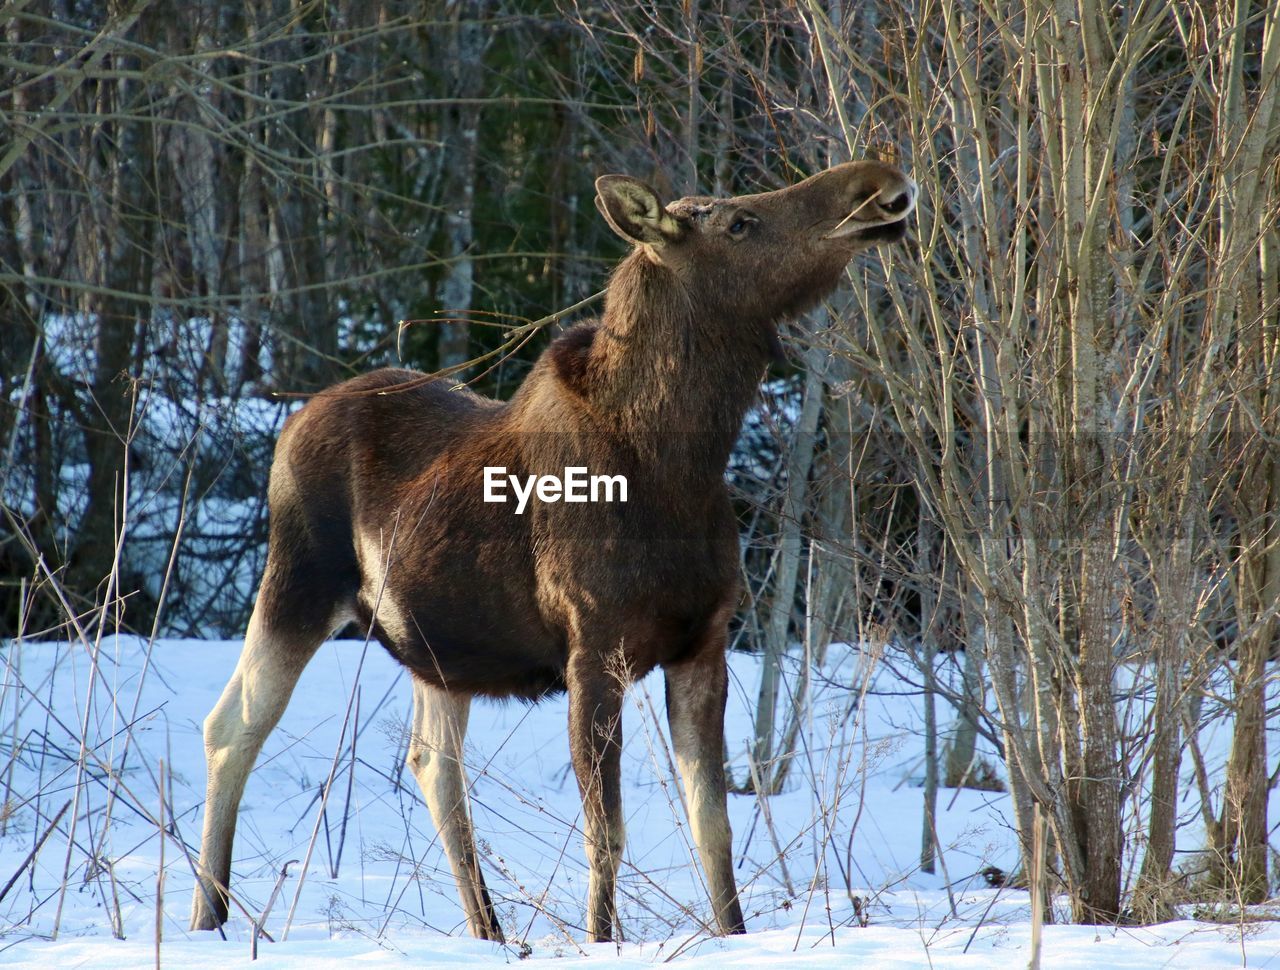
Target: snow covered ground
column 837, row 849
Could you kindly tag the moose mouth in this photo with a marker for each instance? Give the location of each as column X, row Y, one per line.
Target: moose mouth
column 887, row 232
column 880, row 232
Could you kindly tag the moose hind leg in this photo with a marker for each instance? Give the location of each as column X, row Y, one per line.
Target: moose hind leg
column 435, row 757
column 696, row 694
column 273, row 658
column 595, row 744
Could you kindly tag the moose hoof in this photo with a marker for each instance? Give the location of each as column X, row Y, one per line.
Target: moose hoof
column 204, row 916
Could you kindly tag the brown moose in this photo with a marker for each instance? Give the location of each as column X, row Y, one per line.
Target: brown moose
column 378, row 516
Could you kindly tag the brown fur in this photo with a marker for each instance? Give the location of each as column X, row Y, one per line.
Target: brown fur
column 377, row 514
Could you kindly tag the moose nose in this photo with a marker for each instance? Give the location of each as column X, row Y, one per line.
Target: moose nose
column 898, row 204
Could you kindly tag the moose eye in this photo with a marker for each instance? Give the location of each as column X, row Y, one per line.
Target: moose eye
column 739, row 226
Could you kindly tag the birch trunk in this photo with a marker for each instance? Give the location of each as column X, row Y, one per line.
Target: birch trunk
column 467, row 45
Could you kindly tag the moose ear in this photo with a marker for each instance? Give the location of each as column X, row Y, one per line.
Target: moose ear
column 634, row 212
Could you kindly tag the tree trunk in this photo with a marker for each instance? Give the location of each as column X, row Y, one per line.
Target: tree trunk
column 925, row 568
column 1249, row 283
column 962, row 751
column 122, row 231
column 1096, row 898
column 1151, row 902
column 309, row 338
column 786, row 567
column 468, row 42
column 1241, row 854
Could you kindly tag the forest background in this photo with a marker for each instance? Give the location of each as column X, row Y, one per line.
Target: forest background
column 1031, row 455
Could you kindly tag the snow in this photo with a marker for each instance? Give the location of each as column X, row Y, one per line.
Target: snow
column 848, row 825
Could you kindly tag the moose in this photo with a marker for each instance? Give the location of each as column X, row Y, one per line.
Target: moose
column 377, row 515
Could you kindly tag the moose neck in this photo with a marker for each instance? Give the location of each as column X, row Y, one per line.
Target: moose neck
column 677, row 376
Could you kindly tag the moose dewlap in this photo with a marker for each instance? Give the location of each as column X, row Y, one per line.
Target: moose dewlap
column 378, row 517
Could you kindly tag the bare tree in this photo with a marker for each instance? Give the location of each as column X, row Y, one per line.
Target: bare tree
column 1036, row 459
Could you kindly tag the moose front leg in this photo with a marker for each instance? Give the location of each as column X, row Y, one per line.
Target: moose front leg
column 696, row 693
column 595, row 743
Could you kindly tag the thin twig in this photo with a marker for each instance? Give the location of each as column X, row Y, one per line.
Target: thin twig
column 35, row 850
column 515, row 339
column 160, row 867
column 261, row 921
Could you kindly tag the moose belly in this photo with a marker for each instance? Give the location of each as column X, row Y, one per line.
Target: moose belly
column 647, row 613
column 481, row 643
column 457, row 607
column 493, row 639
column 495, row 613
